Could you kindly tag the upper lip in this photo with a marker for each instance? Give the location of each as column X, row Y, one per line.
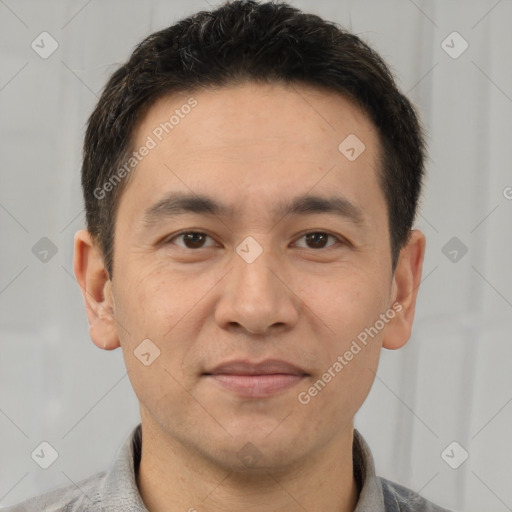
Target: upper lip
column 266, row 367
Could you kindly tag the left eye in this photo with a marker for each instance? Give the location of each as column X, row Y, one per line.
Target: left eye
column 318, row 238
column 195, row 239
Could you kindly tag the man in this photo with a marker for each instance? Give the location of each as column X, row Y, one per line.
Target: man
column 251, row 177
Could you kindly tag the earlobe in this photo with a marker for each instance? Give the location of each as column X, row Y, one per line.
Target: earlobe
column 406, row 282
column 97, row 291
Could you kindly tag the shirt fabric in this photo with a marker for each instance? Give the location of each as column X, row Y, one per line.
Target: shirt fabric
column 116, row 490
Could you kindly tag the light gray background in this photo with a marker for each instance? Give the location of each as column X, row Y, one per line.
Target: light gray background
column 452, row 382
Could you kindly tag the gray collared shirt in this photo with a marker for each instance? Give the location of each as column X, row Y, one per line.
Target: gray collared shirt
column 116, row 489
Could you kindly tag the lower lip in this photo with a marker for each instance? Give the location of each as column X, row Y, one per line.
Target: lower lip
column 257, row 385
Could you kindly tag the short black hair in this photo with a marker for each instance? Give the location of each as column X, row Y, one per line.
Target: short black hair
column 264, row 42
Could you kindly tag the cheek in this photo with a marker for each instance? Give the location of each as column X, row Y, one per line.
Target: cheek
column 164, row 307
column 346, row 312
column 339, row 389
column 345, row 302
column 150, row 308
column 148, row 302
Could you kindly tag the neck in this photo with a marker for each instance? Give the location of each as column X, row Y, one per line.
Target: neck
column 173, row 477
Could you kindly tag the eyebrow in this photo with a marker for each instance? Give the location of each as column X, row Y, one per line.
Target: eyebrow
column 179, row 203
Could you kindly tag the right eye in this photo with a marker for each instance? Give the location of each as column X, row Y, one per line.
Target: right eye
column 191, row 239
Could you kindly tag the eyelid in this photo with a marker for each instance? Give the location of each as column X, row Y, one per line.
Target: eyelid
column 168, row 239
column 339, row 239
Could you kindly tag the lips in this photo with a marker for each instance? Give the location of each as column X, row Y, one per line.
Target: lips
column 267, row 367
column 256, row 380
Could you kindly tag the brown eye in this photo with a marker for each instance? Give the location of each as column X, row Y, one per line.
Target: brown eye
column 196, row 240
column 191, row 239
column 318, row 239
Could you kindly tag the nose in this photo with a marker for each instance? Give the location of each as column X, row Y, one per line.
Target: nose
column 257, row 296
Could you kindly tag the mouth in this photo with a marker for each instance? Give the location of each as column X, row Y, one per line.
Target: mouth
column 256, row 380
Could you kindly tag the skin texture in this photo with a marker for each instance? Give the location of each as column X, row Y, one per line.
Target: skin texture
column 250, row 146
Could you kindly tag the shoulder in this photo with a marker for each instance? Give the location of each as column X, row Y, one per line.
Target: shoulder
column 398, row 498
column 83, row 497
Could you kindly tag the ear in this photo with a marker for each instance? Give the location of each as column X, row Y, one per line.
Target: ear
column 97, row 291
column 405, row 285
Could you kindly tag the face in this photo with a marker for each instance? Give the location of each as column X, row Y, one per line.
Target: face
column 254, row 279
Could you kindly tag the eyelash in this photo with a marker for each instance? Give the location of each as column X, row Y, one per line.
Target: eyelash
column 337, row 238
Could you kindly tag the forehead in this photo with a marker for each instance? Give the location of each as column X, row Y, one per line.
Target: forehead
column 267, row 112
column 265, row 139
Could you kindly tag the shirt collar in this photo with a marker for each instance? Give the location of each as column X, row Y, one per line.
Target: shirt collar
column 119, row 488
column 371, row 496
